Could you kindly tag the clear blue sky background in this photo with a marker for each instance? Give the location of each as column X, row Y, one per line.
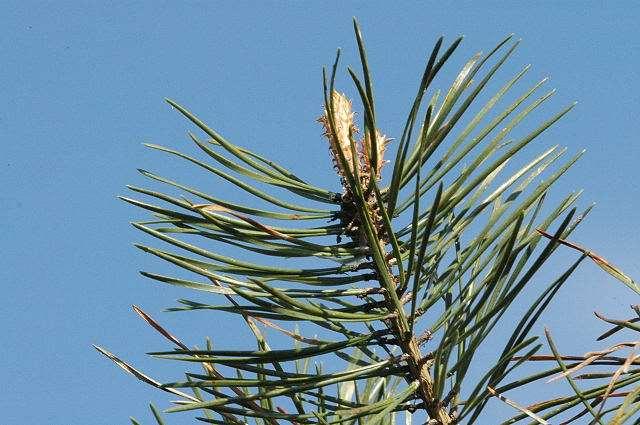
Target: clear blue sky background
column 82, row 83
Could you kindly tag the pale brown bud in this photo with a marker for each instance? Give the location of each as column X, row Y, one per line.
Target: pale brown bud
column 344, row 128
column 366, row 151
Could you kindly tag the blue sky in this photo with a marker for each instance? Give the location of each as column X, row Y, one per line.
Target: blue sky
column 83, row 83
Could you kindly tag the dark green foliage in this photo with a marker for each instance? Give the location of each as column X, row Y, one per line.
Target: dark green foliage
column 410, row 278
